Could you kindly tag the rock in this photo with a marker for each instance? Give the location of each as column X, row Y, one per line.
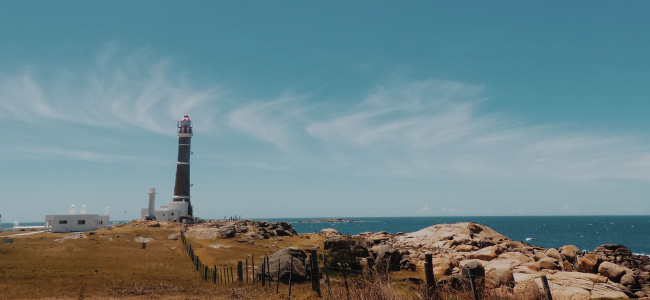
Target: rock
column 380, row 237
column 263, row 224
column 567, row 266
column 628, row 280
column 589, row 263
column 440, row 236
column 283, row 256
column 554, row 253
column 282, row 232
column 570, row 252
column 285, row 225
column 612, row 271
column 514, row 255
column 464, row 248
column 172, row 236
column 227, row 231
column 413, row 280
column 487, row 253
column 474, row 268
column 336, row 244
column 388, row 255
column 329, row 232
column 442, row 266
column 548, row 263
column 407, row 264
column 498, row 277
column 539, row 255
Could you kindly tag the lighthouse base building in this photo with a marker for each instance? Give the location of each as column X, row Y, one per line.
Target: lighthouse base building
column 173, row 211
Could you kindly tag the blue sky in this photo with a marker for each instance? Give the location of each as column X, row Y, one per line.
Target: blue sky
column 327, row 108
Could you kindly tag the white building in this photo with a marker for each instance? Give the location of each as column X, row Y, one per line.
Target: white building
column 171, row 211
column 70, row 223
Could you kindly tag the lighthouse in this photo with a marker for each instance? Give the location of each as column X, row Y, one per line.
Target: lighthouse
column 182, row 186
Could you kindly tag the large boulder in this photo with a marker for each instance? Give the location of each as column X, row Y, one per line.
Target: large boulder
column 227, row 231
column 487, row 253
column 570, row 252
column 589, row 263
column 388, row 255
column 553, row 253
column 443, row 266
column 329, row 232
column 548, row 263
column 612, row 271
column 284, row 256
column 444, row 235
column 473, row 268
column 498, row 277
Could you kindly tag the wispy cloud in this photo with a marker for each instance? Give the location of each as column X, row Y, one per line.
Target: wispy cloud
column 120, row 89
column 421, row 128
column 432, row 128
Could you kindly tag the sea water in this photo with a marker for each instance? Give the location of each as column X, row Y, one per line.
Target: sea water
column 586, row 232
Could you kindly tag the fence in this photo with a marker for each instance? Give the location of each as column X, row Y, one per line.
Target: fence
column 228, row 275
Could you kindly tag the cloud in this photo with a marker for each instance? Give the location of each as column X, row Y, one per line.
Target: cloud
column 119, row 90
column 420, row 128
column 273, row 121
column 433, row 128
column 425, row 208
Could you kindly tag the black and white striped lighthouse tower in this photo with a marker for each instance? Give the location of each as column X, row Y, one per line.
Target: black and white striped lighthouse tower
column 182, row 186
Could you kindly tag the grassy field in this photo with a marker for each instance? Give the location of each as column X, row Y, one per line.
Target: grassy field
column 111, row 264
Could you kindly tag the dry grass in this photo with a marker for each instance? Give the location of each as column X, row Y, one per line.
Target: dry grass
column 110, row 264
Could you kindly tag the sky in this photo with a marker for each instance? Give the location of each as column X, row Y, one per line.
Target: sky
column 327, row 108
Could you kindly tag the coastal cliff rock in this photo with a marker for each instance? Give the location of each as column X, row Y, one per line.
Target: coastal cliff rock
column 610, row 271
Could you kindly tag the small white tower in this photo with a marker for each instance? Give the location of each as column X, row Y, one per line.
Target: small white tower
column 83, row 209
column 152, row 203
column 73, row 211
column 107, row 210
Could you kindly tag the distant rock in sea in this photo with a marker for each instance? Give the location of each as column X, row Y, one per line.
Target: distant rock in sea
column 334, row 220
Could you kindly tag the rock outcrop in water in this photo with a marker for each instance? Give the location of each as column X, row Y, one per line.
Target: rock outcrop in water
column 610, row 271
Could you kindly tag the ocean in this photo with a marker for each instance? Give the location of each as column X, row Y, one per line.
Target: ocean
column 586, row 232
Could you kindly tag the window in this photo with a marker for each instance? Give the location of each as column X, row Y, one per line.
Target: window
column 81, row 222
column 63, row 221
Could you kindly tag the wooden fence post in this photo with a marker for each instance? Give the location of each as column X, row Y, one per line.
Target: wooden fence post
column 268, row 269
column 262, row 274
column 277, row 287
column 547, row 289
column 247, row 270
column 253, row 265
column 232, row 277
column 315, row 271
column 345, row 278
column 214, row 275
column 428, row 270
column 472, row 284
column 240, row 271
column 327, row 275
column 290, row 274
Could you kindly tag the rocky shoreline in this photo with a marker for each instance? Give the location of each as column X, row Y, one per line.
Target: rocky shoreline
column 611, row 271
